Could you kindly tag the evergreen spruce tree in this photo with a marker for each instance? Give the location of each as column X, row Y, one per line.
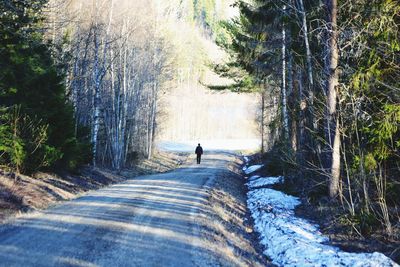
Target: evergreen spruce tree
column 364, row 94
column 32, row 95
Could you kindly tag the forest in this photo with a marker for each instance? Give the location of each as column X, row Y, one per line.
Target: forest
column 82, row 82
column 328, row 73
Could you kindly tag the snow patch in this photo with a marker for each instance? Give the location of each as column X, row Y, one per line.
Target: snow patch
column 252, row 168
column 292, row 241
column 257, row 181
column 253, row 177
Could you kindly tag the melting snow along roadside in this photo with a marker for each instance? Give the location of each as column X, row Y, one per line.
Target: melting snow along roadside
column 292, row 241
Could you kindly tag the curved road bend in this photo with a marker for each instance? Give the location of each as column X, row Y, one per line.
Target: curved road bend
column 145, row 221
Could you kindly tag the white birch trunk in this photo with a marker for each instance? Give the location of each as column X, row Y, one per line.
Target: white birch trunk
column 96, row 100
column 98, row 74
column 307, row 44
column 333, row 131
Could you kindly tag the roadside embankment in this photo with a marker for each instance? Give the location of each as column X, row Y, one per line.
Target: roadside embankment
column 227, row 227
column 290, row 240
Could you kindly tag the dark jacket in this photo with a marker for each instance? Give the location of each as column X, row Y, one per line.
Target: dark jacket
column 199, row 150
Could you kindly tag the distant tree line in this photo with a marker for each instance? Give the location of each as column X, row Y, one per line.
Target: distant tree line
column 328, row 75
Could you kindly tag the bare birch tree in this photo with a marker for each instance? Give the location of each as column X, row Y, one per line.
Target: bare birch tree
column 332, row 125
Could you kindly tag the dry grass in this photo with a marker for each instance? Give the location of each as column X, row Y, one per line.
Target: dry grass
column 161, row 162
column 225, row 227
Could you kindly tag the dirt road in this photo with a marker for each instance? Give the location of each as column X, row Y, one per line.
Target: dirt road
column 146, row 221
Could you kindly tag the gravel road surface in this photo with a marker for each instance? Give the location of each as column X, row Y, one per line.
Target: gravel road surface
column 146, row 221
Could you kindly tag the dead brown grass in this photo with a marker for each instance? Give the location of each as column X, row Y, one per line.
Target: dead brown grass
column 230, row 235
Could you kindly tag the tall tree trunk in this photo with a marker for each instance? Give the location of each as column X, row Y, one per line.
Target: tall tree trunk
column 307, row 44
column 302, row 117
column 98, row 74
column 290, row 90
column 310, row 76
column 153, row 119
column 96, row 99
column 333, row 131
column 285, row 117
column 262, row 120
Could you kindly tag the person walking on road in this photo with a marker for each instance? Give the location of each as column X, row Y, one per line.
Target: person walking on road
column 199, row 152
